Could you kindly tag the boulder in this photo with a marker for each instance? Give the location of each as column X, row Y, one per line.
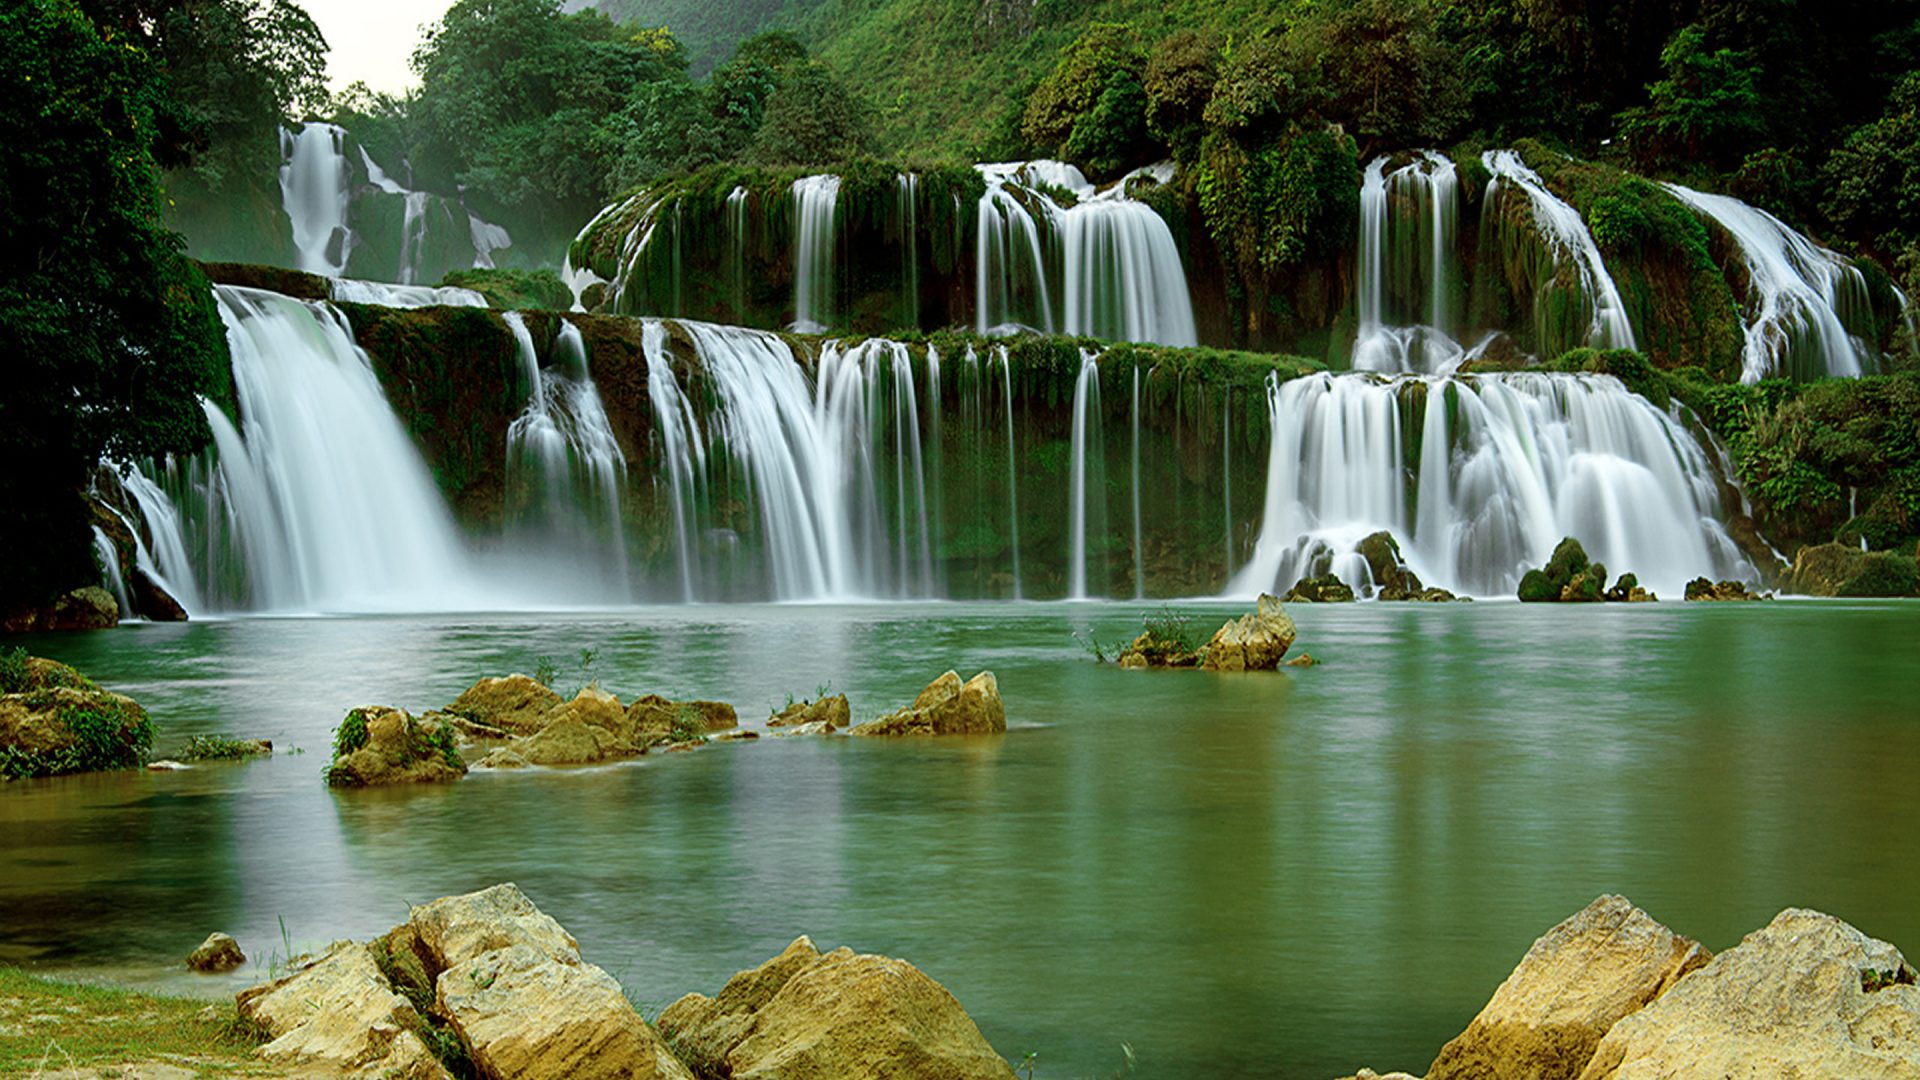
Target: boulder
column 517, row 704
column 1391, row 578
column 1628, row 591
column 1253, row 642
column 1433, row 594
column 454, row 929
column 1369, row 1074
column 1702, row 590
column 1325, row 589
column 1564, row 578
column 377, row 745
column 573, row 742
column 524, row 1014
column 88, row 608
column 54, row 720
column 817, row 727
column 153, row 601
column 655, row 720
column 841, row 1016
column 1840, row 570
column 216, row 954
column 1305, row 659
column 831, row 711
column 1536, row 588
column 1151, row 649
column 339, row 1013
column 736, row 735
column 1589, row 586
column 946, row 707
column 1575, row 983
column 1808, row 997
column 502, row 758
column 714, row 715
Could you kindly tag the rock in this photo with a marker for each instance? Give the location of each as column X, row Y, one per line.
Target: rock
column 817, row 727
column 216, row 954
column 1154, row 650
column 831, row 711
column 841, row 1016
column 1325, row 589
column 714, row 715
column 1700, row 589
column 736, row 735
column 1536, row 587
column 55, row 720
column 1628, row 591
column 573, row 742
column 502, row 758
column 1567, row 560
column 339, row 1012
column 1839, row 570
column 1437, row 595
column 516, row 703
column 946, row 707
column 1303, row 660
column 1391, row 578
column 1808, row 996
column 151, row 600
column 470, row 732
column 522, row 1013
column 377, row 745
column 88, row 608
column 167, row 765
column 454, row 929
column 1589, row 586
column 1578, row 979
column 655, row 720
column 1253, row 642
column 1369, row 1074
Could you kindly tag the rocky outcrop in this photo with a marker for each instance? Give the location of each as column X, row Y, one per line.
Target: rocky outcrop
column 592, row 727
column 1153, row 649
column 946, row 707
column 839, row 1016
column 1571, row 578
column 1839, row 570
column 1575, row 983
column 1808, row 996
column 216, row 954
column 516, row 703
column 1253, row 642
column 1325, row 589
column 88, row 608
column 378, row 745
column 1628, row 591
column 339, row 1013
column 1702, row 590
column 54, row 720
column 833, row 712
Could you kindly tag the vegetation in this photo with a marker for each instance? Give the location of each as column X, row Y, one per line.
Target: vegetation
column 515, row 289
column 54, row 1028
column 218, row 748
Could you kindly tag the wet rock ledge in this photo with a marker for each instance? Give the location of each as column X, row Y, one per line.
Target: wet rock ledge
column 486, row 984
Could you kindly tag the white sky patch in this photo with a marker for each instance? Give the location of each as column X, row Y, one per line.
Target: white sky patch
column 372, row 39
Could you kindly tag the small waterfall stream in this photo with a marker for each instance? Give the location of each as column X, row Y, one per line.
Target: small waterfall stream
column 814, row 198
column 1565, row 233
column 313, row 188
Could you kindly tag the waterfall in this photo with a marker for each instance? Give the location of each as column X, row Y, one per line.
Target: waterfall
column 683, row 449
column 111, row 577
column 1013, row 486
column 1801, row 297
column 1407, row 224
column 907, row 219
column 836, row 519
column 1479, row 477
column 353, row 291
column 1086, row 435
column 1009, row 265
column 1139, row 550
column 165, row 560
column 313, row 189
column 814, row 198
column 737, row 250
column 319, row 501
column 486, row 238
column 1566, row 236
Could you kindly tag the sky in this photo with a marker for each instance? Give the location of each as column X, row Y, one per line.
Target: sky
column 372, row 39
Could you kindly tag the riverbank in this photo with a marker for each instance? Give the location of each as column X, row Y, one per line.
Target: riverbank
column 53, row 1028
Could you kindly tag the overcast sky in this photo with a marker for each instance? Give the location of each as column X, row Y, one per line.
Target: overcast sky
column 372, row 39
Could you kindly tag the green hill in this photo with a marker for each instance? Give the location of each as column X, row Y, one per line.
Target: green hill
column 709, row 30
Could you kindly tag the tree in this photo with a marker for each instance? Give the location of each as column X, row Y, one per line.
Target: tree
column 1179, row 80
column 1873, row 181
column 111, row 334
column 1091, row 109
column 1387, row 72
column 812, row 120
column 1708, row 105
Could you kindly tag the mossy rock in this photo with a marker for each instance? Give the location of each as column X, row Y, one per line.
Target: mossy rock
column 54, row 721
column 1537, row 588
column 1568, row 560
column 1325, row 589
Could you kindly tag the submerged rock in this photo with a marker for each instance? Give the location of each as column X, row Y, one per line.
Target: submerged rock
column 946, row 707
column 502, row 758
column 516, row 703
column 1325, row 589
column 1579, row 978
column 817, row 727
column 1628, row 591
column 216, row 954
column 54, row 720
column 1808, row 996
column 1702, row 590
column 376, row 745
column 807, row 1016
column 1253, row 642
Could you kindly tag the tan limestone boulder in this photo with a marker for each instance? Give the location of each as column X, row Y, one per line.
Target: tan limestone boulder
column 946, row 707
column 526, row 1015
column 501, row 757
column 655, row 720
column 377, row 745
column 455, row 929
column 340, row 1015
column 832, row 711
column 1579, row 978
column 817, row 727
column 841, row 1016
column 517, row 704
column 572, row 742
column 714, row 715
column 1253, row 642
column 595, row 707
column 216, row 954
column 1807, row 997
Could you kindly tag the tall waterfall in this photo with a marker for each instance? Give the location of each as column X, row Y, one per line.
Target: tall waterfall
column 1405, row 270
column 1085, row 445
column 313, row 188
column 1119, row 273
column 319, row 501
column 1804, row 301
column 165, row 560
column 814, row 198
column 1479, row 477
column 1565, row 234
column 565, row 469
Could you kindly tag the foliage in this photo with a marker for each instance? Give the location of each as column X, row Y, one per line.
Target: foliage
column 1169, row 631
column 1707, row 105
column 1872, row 180
column 686, row 726
column 112, row 334
column 1091, row 108
column 351, row 735
column 540, row 290
column 15, row 675
column 813, row 119
column 217, row 748
column 105, row 734
column 545, row 671
column 1178, row 82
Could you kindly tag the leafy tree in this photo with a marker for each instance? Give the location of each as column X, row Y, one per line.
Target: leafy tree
column 1708, row 104
column 1179, row 80
column 812, row 120
column 1091, row 109
column 1873, row 180
column 111, row 333
column 1386, row 71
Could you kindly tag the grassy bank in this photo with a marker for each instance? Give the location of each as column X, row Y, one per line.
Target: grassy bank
column 50, row 1028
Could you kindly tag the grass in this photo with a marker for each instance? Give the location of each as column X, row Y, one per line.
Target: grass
column 49, row 1028
column 217, row 748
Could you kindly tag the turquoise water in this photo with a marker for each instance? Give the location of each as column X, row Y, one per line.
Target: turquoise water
column 1289, row 874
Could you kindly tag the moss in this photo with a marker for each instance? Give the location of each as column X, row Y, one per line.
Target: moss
column 1883, row 573
column 106, row 735
column 515, row 289
column 294, row 283
column 1536, row 587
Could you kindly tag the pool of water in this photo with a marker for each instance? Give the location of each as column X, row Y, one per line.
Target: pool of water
column 1289, row 874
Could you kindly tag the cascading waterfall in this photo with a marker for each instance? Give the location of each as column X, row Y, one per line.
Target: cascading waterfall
column 1139, row 540
column 110, row 573
column 313, row 188
column 1803, row 300
column 1086, row 445
column 1005, row 360
column 814, row 199
column 1479, row 477
column 1565, row 234
column 1405, row 310
column 165, row 560
column 908, row 220
column 1009, row 267
column 683, row 448
column 319, row 501
column 354, row 291
column 737, row 250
